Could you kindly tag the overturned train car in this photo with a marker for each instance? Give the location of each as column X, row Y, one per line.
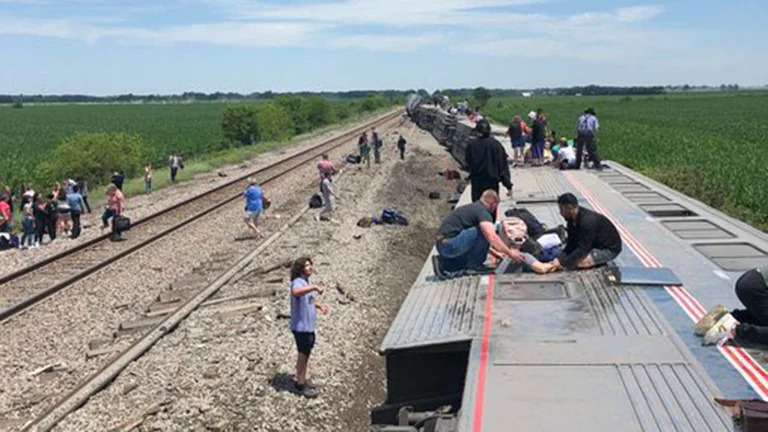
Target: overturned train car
column 450, row 132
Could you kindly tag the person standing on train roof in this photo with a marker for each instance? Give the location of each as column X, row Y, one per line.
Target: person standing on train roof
column 587, row 127
column 466, row 235
column 487, row 163
column 592, row 239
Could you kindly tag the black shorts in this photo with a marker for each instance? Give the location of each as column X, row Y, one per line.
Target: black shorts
column 305, row 341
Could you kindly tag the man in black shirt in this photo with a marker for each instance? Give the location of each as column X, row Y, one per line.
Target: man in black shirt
column 466, row 235
column 592, row 238
column 486, row 160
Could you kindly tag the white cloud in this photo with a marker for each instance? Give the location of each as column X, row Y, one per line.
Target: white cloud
column 492, row 27
column 392, row 43
column 638, row 13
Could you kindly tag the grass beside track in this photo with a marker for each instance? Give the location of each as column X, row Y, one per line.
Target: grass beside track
column 706, row 145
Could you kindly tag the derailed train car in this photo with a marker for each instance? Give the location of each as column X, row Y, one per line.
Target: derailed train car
column 444, row 127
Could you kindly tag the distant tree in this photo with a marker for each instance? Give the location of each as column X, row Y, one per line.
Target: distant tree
column 318, row 112
column 95, row 155
column 274, row 123
column 373, row 102
column 239, row 124
column 481, row 96
column 294, row 106
column 686, row 87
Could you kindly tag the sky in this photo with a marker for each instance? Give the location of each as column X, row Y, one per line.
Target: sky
column 107, row 47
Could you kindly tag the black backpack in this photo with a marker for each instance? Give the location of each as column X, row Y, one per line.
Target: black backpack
column 515, row 131
column 535, row 228
column 316, row 201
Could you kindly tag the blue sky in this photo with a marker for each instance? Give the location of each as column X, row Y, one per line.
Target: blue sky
column 106, row 47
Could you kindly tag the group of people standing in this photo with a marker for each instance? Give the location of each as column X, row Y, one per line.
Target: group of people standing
column 55, row 213
column 541, row 137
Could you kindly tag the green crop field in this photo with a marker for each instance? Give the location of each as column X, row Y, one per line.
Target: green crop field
column 29, row 135
column 710, row 146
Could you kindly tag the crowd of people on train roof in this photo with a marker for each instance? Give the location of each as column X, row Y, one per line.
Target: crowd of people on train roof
column 469, row 241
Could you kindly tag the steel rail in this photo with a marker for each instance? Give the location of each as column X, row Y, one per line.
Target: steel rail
column 303, row 157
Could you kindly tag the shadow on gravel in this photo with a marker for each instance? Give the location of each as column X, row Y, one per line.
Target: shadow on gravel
column 284, row 382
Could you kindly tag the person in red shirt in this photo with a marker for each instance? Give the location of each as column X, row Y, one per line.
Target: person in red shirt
column 325, row 166
column 5, row 214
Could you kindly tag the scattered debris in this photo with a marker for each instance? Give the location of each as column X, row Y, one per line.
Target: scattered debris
column 52, row 367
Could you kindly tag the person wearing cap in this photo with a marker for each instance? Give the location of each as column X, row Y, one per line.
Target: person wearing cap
column 486, row 161
column 587, row 128
column 254, row 204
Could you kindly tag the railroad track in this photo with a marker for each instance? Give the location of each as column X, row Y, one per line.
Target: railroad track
column 27, row 287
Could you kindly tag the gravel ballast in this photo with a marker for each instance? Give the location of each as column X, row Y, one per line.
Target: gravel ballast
column 224, row 369
column 63, row 329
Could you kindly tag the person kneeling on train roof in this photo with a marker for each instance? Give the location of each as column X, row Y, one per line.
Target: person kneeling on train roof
column 749, row 324
column 487, row 163
column 592, row 239
column 466, row 235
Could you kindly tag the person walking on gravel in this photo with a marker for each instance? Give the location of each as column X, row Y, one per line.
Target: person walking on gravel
column 376, row 143
column 304, row 309
column 401, row 146
column 325, row 166
column 254, row 204
column 329, row 197
column 175, row 162
column 148, row 178
column 365, row 149
column 115, row 207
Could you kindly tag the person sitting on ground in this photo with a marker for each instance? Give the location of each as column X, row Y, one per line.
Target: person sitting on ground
column 745, row 325
column 304, row 320
column 254, row 204
column 466, row 235
column 592, row 239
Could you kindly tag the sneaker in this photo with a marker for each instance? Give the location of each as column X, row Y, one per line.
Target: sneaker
column 307, row 391
column 708, row 320
column 722, row 331
column 317, row 217
column 437, row 267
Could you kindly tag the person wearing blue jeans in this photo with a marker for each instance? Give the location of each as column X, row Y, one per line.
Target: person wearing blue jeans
column 466, row 235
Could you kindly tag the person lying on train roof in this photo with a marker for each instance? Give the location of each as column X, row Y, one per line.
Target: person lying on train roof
column 592, row 239
column 744, row 325
column 466, row 235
